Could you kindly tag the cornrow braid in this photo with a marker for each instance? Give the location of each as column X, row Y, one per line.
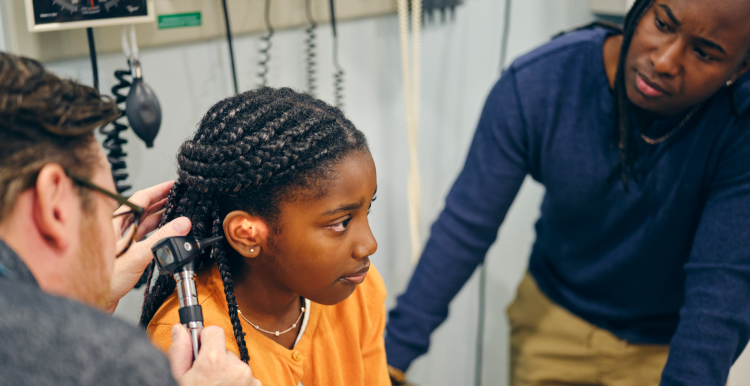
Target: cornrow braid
column 623, row 108
column 251, row 152
column 148, row 273
column 226, row 278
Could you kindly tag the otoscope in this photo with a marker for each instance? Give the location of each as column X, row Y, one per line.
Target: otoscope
column 178, row 256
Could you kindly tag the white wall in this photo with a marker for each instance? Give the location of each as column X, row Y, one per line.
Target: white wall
column 460, row 64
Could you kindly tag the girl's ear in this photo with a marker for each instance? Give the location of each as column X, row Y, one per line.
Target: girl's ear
column 245, row 233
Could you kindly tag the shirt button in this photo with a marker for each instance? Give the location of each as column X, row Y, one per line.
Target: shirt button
column 296, row 356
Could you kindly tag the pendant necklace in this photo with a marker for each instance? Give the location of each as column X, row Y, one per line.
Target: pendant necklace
column 277, row 333
column 655, row 141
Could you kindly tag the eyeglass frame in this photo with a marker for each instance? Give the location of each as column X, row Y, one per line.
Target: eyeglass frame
column 122, row 200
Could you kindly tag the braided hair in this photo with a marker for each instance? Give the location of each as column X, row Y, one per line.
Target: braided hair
column 251, row 152
column 623, row 107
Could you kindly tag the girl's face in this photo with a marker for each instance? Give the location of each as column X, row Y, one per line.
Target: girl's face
column 324, row 244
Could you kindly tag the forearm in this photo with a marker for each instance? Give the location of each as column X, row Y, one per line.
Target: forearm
column 714, row 326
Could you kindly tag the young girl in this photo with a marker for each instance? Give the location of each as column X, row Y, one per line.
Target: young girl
column 288, row 181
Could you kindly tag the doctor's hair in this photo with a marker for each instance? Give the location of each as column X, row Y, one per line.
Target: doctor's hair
column 251, row 152
column 45, row 119
column 623, row 106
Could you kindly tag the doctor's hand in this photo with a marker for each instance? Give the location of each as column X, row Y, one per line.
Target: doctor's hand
column 214, row 366
column 130, row 266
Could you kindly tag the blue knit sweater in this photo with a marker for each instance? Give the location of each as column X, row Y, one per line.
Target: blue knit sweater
column 667, row 262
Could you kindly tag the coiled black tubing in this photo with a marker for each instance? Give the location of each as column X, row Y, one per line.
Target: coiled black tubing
column 265, row 50
column 112, row 141
column 310, row 52
column 338, row 76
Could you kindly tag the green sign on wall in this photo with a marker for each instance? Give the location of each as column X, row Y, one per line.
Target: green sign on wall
column 177, row 20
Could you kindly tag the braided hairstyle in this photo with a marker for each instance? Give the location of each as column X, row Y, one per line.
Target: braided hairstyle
column 623, row 107
column 251, row 152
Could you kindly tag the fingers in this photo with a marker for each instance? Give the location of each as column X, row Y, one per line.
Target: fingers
column 148, row 224
column 147, row 197
column 156, row 207
column 180, row 352
column 177, row 227
column 213, row 342
column 130, row 266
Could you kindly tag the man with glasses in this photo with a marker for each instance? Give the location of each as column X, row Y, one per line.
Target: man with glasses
column 58, row 250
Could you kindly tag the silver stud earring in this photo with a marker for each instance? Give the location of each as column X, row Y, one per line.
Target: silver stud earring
column 729, row 83
column 252, row 250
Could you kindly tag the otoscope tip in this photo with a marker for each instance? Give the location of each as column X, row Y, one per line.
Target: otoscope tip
column 208, row 241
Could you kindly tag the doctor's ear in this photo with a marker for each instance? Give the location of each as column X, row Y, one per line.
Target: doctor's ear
column 247, row 234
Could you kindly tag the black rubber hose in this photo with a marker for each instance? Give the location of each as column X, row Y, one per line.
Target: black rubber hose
column 338, row 76
column 231, row 49
column 265, row 51
column 112, row 141
column 92, row 54
column 310, row 54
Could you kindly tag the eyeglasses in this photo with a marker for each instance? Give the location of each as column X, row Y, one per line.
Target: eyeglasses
column 126, row 218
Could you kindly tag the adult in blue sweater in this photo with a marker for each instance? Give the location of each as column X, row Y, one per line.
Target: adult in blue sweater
column 640, row 273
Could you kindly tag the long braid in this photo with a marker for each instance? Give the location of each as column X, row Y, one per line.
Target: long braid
column 165, row 285
column 226, row 278
column 168, row 210
column 250, row 152
column 623, row 107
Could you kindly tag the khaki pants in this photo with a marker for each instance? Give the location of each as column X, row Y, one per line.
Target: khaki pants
column 552, row 347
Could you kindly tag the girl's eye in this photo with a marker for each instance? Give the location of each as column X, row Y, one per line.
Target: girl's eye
column 371, row 201
column 661, row 25
column 341, row 226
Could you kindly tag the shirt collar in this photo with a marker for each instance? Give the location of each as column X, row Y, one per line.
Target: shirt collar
column 12, row 267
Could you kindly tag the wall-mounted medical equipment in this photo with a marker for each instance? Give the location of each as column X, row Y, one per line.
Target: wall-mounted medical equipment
column 311, row 63
column 338, row 75
column 443, row 7
column 265, row 47
column 139, row 105
column 176, row 22
column 55, row 15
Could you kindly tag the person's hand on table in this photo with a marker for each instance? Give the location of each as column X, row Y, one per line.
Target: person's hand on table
column 130, row 266
column 214, row 366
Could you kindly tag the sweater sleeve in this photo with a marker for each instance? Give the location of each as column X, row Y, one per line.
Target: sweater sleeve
column 714, row 322
column 475, row 207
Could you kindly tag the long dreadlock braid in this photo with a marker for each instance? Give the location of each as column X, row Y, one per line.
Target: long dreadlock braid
column 251, row 152
column 622, row 103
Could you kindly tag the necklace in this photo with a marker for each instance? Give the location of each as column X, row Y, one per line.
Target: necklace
column 654, row 141
column 277, row 333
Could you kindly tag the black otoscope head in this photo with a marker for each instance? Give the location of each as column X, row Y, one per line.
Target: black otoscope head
column 176, row 256
column 173, row 253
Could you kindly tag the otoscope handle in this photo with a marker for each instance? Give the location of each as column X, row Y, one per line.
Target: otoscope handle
column 191, row 313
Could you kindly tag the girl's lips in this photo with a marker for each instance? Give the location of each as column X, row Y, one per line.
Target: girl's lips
column 356, row 279
column 645, row 88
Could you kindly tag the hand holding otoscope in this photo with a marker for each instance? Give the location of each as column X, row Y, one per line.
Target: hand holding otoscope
column 177, row 256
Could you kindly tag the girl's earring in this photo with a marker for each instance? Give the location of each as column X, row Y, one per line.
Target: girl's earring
column 729, row 83
column 252, row 250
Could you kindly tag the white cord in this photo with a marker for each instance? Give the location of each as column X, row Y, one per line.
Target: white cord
column 130, row 49
column 124, row 41
column 133, row 42
column 410, row 76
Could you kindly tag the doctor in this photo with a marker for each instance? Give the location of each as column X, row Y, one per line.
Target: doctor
column 58, row 249
column 640, row 273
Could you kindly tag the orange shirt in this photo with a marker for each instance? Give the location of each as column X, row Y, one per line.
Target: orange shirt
column 341, row 345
